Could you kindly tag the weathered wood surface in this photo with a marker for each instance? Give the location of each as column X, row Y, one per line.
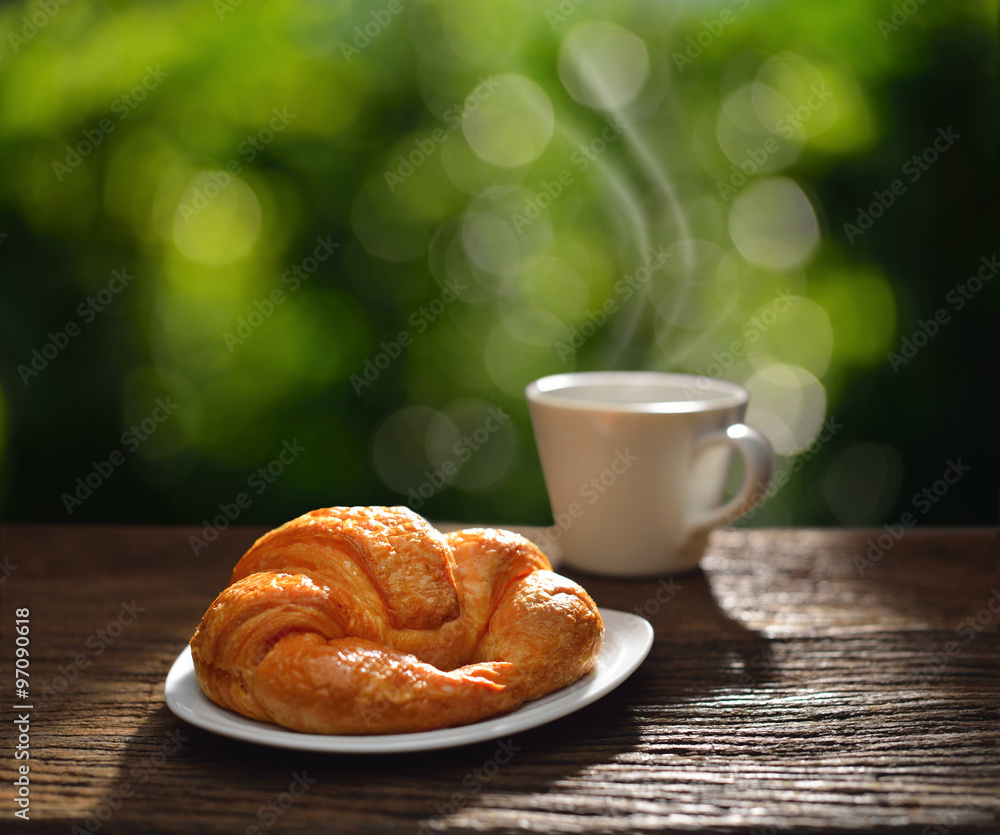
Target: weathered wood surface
column 785, row 691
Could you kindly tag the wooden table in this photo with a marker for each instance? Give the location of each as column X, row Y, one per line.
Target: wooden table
column 790, row 688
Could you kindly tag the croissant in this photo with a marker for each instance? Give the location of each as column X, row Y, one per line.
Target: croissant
column 365, row 620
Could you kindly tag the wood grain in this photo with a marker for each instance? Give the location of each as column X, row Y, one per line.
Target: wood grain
column 786, row 691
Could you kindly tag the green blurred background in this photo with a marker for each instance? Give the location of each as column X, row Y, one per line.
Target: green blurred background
column 347, row 234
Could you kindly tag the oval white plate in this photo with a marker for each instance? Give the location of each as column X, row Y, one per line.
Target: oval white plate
column 627, row 641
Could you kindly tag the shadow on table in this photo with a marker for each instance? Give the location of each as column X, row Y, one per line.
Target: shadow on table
column 703, row 646
column 195, row 779
column 188, row 779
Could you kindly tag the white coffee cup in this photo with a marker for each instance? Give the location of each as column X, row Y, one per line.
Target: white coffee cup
column 636, row 464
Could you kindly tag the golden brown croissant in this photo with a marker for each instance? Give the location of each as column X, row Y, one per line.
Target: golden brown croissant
column 360, row 620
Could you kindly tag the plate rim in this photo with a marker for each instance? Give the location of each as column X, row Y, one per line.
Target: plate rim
column 179, row 695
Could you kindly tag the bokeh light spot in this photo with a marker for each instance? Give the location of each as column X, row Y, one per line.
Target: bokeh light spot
column 553, row 285
column 787, row 404
column 512, row 362
column 511, row 124
column 862, row 310
column 802, row 103
column 306, row 28
column 791, row 329
column 218, row 219
column 773, row 224
column 602, row 65
column 400, row 447
column 385, row 228
column 481, row 450
column 534, row 326
column 745, row 138
column 862, row 483
column 490, row 244
column 685, row 287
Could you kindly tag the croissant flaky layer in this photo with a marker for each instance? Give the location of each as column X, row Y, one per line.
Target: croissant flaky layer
column 364, row 620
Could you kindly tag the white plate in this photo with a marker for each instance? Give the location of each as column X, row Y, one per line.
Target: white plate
column 627, row 640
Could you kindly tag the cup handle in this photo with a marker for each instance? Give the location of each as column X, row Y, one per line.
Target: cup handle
column 758, row 468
